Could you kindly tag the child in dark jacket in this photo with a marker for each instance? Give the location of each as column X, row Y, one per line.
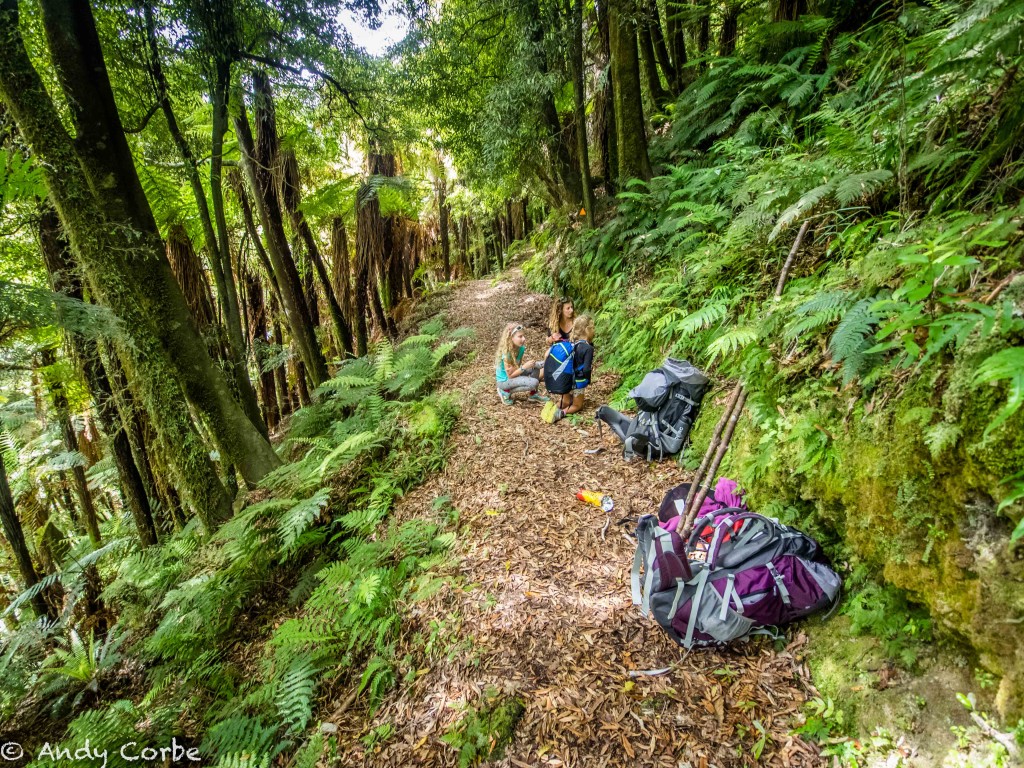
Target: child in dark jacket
column 583, row 363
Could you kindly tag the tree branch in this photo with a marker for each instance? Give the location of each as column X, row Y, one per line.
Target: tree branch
column 145, row 120
column 280, row 65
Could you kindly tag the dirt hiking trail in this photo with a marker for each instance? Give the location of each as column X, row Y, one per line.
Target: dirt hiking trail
column 539, row 609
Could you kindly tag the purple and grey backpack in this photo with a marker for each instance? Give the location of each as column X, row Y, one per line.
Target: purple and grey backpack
column 753, row 573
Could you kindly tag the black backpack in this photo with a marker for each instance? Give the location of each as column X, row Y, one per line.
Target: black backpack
column 668, row 402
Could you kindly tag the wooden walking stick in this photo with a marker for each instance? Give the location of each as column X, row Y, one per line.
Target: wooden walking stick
column 716, row 436
column 719, row 444
column 698, row 499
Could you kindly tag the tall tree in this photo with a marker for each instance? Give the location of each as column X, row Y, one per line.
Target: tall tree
column 261, row 180
column 580, row 107
column 291, row 196
column 630, row 129
column 216, row 242
column 94, row 186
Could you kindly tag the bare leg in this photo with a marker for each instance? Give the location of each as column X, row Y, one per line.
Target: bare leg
column 577, row 402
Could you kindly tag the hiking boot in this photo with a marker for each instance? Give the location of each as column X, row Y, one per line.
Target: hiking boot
column 537, row 398
column 547, row 413
column 506, row 398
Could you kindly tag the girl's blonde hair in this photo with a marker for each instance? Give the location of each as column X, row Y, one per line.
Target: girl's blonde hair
column 583, row 328
column 507, row 350
column 556, row 314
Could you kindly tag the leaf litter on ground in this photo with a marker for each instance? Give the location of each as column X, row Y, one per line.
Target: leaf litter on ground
column 538, row 605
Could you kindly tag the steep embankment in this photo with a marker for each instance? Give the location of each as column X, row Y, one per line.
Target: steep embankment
column 536, row 631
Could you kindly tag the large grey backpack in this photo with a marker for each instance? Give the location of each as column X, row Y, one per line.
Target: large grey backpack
column 668, row 402
column 736, row 574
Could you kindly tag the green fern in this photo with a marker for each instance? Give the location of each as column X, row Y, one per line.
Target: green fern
column 732, row 341
column 1006, row 365
column 298, row 518
column 294, row 695
column 852, row 338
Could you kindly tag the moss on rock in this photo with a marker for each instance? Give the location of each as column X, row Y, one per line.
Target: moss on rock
column 908, row 484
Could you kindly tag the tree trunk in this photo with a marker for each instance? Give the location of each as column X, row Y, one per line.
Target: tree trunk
column 341, row 268
column 661, row 54
column 64, row 280
column 604, row 107
column 67, row 431
column 631, row 136
column 361, row 302
column 284, row 398
column 443, row 213
column 292, row 198
column 236, row 183
column 729, row 31
column 659, row 96
column 559, row 153
column 375, row 242
column 287, row 276
column 115, row 238
column 16, row 538
column 259, row 329
column 703, row 29
column 677, row 44
column 580, row 109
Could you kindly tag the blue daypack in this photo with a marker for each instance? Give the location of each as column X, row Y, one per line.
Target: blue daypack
column 559, row 372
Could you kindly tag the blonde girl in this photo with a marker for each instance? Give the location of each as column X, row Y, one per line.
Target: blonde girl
column 511, row 373
column 560, row 320
column 582, row 365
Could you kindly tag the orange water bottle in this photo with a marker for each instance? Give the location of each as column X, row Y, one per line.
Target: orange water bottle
column 596, row 498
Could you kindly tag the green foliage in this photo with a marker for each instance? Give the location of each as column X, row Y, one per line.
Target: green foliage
column 483, row 732
column 885, row 613
column 1007, row 365
column 73, row 673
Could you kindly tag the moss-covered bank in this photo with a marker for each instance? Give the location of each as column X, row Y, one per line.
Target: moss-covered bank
column 907, row 483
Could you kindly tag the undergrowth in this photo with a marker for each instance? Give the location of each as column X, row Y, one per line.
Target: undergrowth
column 245, row 634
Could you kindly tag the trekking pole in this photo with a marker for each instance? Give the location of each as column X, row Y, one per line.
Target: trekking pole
column 720, row 443
column 691, row 514
column 789, row 259
column 712, row 446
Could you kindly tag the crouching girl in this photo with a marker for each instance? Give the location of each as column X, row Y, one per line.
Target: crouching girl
column 511, row 372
